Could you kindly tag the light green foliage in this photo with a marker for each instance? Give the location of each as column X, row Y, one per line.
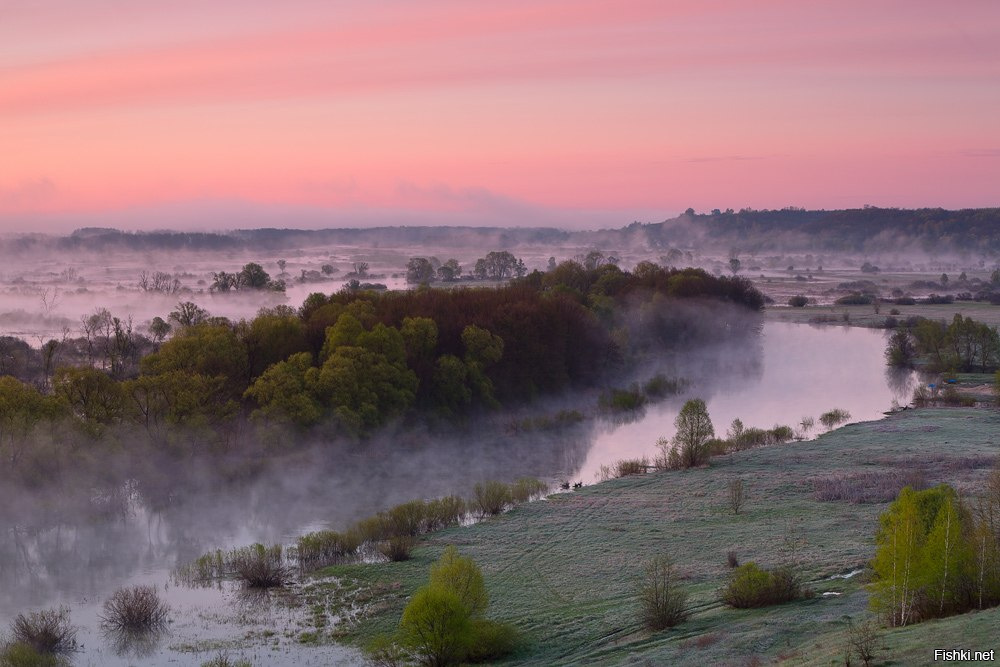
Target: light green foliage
column 157, row 402
column 420, row 336
column 204, row 349
column 285, row 392
column 344, row 332
column 436, row 625
column 91, row 395
column 22, row 409
column 463, row 577
column 933, row 558
column 19, row 654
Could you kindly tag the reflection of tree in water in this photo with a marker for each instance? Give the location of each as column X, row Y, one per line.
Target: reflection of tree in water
column 901, row 382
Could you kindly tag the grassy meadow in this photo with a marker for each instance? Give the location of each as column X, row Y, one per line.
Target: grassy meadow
column 564, row 570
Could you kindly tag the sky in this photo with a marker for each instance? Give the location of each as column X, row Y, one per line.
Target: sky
column 572, row 113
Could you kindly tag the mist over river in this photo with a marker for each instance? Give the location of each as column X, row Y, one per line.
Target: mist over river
column 50, row 557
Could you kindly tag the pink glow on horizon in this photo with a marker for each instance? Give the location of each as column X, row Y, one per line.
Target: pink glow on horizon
column 521, row 108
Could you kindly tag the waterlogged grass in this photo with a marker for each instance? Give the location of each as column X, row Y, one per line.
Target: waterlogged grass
column 565, row 571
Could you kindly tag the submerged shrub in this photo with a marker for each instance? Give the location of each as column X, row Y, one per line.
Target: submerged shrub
column 749, row 586
column 258, row 566
column 46, row 631
column 663, row 604
column 134, row 609
column 325, row 547
column 834, row 417
column 491, row 498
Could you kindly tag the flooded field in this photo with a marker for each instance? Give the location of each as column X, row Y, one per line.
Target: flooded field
column 791, row 372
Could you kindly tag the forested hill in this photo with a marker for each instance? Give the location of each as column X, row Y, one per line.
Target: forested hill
column 869, row 229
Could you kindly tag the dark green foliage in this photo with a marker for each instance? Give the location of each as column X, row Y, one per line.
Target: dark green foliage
column 798, row 301
column 662, row 602
column 622, row 400
column 397, row 548
column 491, row 641
column 749, row 586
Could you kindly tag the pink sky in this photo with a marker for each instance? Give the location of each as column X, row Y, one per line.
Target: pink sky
column 575, row 113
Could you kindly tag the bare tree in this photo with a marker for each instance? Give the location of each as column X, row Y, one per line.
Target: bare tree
column 737, row 495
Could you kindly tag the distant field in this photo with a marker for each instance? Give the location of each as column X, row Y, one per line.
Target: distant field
column 865, row 316
column 564, row 570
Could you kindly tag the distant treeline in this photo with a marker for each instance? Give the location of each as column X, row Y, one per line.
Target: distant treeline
column 347, row 363
column 869, row 229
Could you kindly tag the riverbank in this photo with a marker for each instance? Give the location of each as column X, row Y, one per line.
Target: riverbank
column 564, row 570
column 865, row 316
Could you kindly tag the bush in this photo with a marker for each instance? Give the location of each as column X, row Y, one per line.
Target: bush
column 134, row 609
column 527, row 488
column 382, row 651
column 325, row 547
column 436, row 626
column 397, row 548
column 406, row 519
column 749, row 587
column 258, row 566
column 463, row 577
column 491, row 498
column 444, row 512
column 46, row 631
column 491, row 641
column 834, row 417
column 798, row 301
column 623, row 468
column 856, row 299
column 662, row 603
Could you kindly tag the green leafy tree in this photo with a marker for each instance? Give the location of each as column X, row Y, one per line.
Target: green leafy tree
column 436, row 626
column 205, row 349
column 419, row 270
column 460, row 575
column 22, row 409
column 693, row 431
column 285, row 392
column 92, row 396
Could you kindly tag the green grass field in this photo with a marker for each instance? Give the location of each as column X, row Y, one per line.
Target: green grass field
column 564, row 570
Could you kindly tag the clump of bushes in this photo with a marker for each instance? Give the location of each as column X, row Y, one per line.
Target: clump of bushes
column 134, row 609
column 749, row 587
column 325, row 547
column 623, row 468
column 622, row 400
column 444, row 622
column 491, row 498
column 47, row 632
column 397, row 548
column 798, row 301
column 855, row 299
column 834, row 417
column 662, row 602
column 527, row 488
column 258, row 566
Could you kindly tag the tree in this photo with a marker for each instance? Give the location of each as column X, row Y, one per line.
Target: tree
column 361, row 269
column 281, row 265
column 188, row 314
column 22, row 408
column 499, row 265
column 734, row 265
column 436, row 625
column 419, row 270
column 327, row 269
column 694, row 429
column 900, row 352
column 284, row 392
column 159, row 329
column 91, row 395
column 460, row 575
column 663, row 603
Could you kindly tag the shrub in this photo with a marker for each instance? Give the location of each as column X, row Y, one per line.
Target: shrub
column 436, row 626
column 134, row 609
column 663, row 604
column 444, row 512
column 732, row 560
column 491, row 498
column 46, row 631
column 622, row 400
column 491, row 641
column 382, row 651
column 834, row 417
column 856, row 299
column 863, row 640
column 258, row 566
column 527, row 488
column 798, row 301
column 406, row 519
column 397, row 548
column 749, row 587
column 737, row 495
column 660, row 385
column 370, row 530
column 325, row 547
